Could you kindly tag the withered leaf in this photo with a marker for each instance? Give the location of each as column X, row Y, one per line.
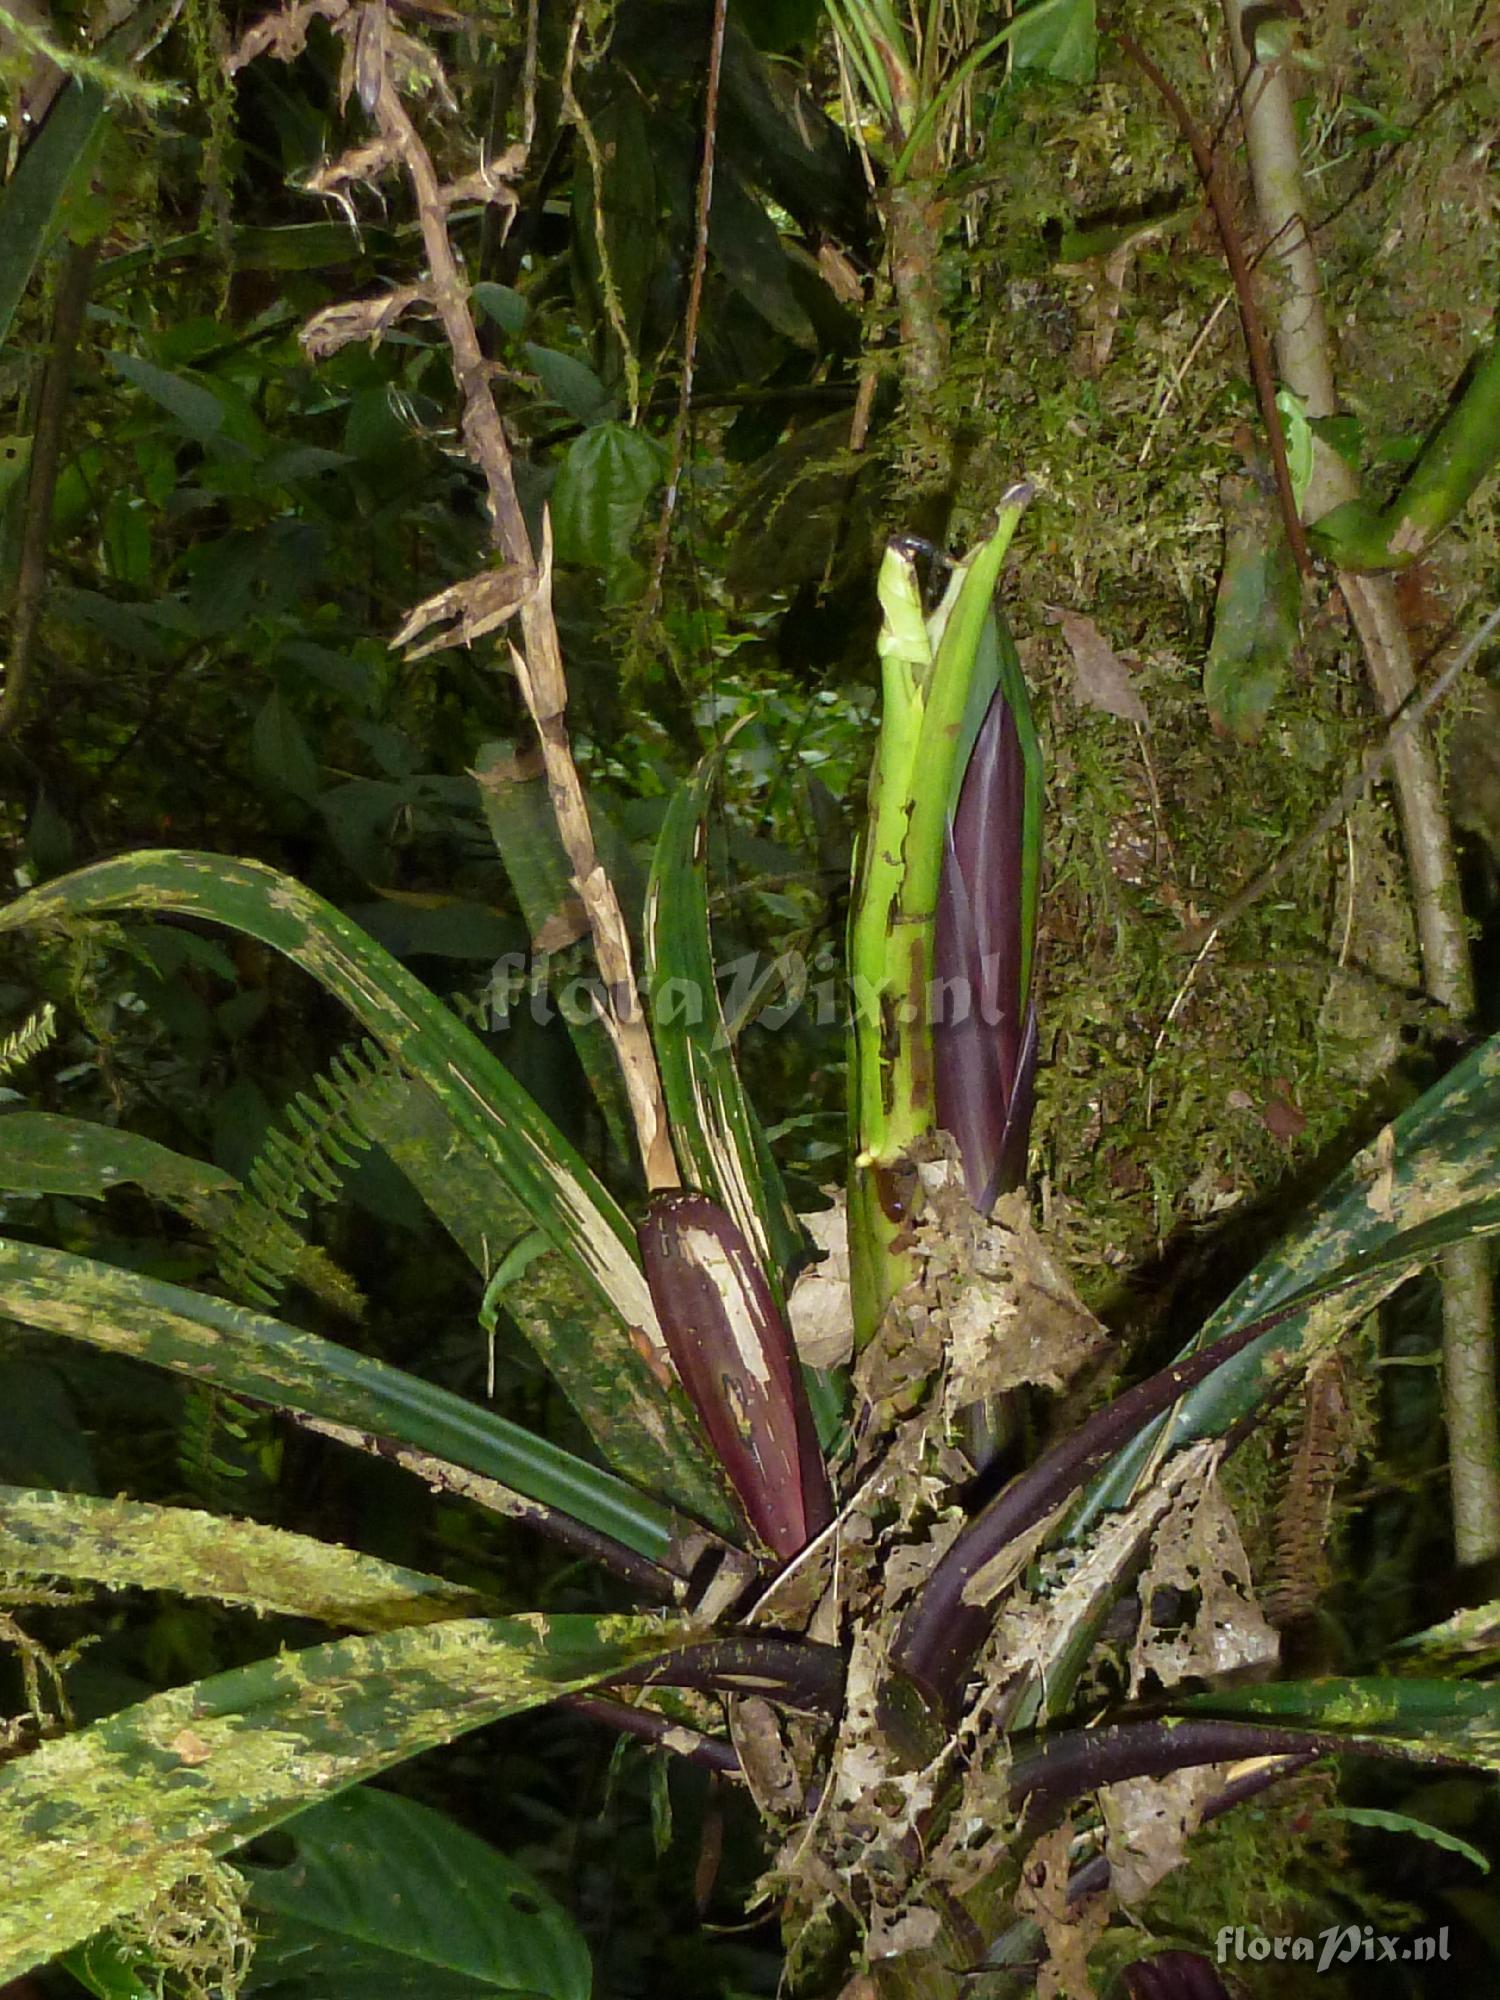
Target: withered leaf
column 1101, row 678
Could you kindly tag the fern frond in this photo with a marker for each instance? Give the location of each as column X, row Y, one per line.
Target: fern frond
column 228, row 1452
column 306, row 1157
column 33, row 1035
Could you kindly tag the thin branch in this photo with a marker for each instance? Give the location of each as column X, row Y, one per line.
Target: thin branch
column 694, row 305
column 538, row 662
column 1256, row 346
column 1406, row 722
column 46, row 456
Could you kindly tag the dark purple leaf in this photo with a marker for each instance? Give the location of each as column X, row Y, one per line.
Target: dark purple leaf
column 734, row 1354
column 1175, row 1975
column 982, row 1017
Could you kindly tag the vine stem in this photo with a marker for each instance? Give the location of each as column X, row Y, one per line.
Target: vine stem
column 1305, row 355
column 703, row 210
column 68, row 311
column 1217, row 195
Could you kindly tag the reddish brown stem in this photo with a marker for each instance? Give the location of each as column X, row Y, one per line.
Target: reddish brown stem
column 1256, row 345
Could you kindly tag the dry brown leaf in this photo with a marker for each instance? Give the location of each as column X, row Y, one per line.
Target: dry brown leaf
column 1071, row 1930
column 465, row 611
column 1100, row 677
column 1148, row 1823
column 1197, row 1556
column 818, row 1308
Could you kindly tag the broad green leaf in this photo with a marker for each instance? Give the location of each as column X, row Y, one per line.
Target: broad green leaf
column 520, row 1150
column 15, row 458
column 299, row 246
column 1437, row 1164
column 506, row 307
column 623, row 211
column 570, row 383
column 43, row 1152
column 1256, row 617
column 1468, row 1642
column 722, row 1144
column 136, row 629
column 95, row 1824
column 602, row 488
column 1063, row 43
column 391, row 1892
column 280, row 751
column 196, row 409
column 1428, row 1719
column 746, row 245
column 35, row 193
column 132, row 1544
column 110, row 1970
column 1297, row 434
column 251, row 1354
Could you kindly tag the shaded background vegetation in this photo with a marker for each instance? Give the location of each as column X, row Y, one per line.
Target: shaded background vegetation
column 237, row 530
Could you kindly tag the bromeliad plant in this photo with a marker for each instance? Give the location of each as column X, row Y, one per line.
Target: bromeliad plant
column 920, row 1694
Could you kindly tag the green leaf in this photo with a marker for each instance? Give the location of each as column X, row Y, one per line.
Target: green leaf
column 518, row 812
column 1256, row 617
column 15, row 459
column 515, row 1151
column 507, row 308
column 280, row 751
column 416, row 1896
column 723, row 1147
column 195, row 409
column 1428, row 1719
column 570, row 383
column 42, row 1152
column 746, row 246
column 95, row 1824
column 1399, row 1822
column 252, row 1354
column 108, row 1969
column 60, row 154
column 1297, row 434
column 1063, row 43
column 133, row 1545
column 623, row 210
column 602, row 488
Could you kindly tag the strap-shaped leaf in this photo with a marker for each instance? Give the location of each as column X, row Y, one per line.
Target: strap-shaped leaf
column 95, row 1824
column 1429, row 1719
column 1439, row 1159
column 518, row 812
column 134, row 1544
column 251, row 1354
column 720, row 1141
column 508, row 1137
